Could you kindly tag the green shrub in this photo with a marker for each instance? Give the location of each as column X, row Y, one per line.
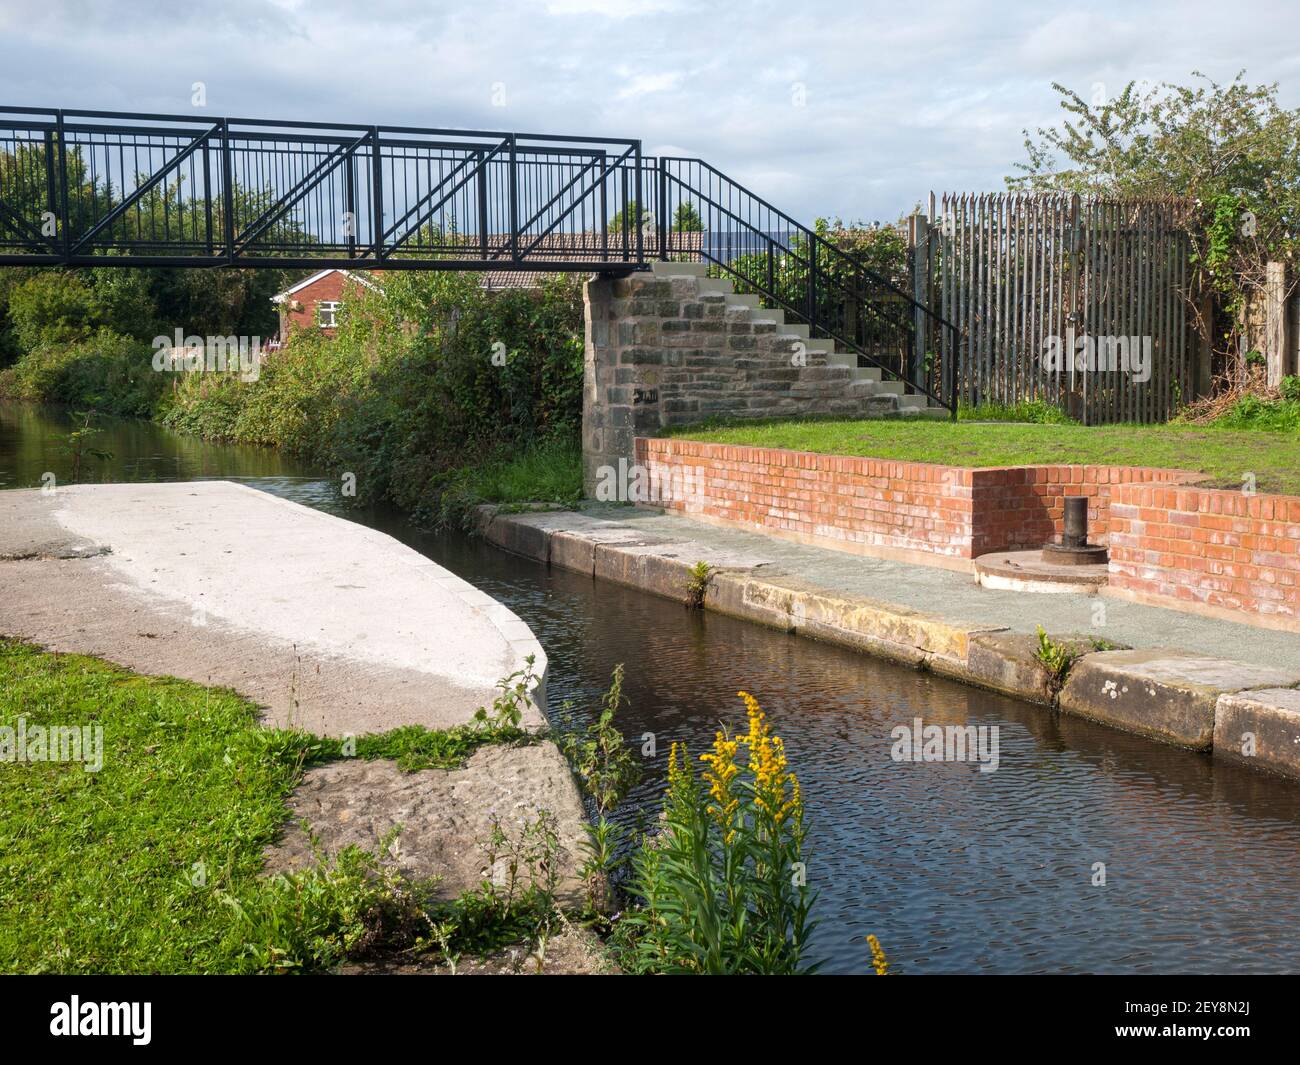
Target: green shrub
column 351, row 906
column 697, row 584
column 1253, row 412
column 436, row 394
column 105, row 371
column 601, row 761
column 547, row 473
column 50, row 308
column 721, row 888
column 1035, row 411
column 1056, row 658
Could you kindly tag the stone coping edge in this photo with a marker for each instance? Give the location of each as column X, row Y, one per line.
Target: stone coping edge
column 1164, row 694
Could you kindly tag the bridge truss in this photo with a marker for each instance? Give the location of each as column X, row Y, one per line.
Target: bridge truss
column 99, row 188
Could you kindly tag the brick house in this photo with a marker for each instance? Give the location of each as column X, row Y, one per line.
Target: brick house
column 314, row 302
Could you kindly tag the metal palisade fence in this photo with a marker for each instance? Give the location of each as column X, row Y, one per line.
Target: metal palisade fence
column 1077, row 301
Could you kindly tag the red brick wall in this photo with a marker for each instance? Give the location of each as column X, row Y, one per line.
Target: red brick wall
column 1024, row 506
column 300, row 308
column 911, row 506
column 1168, row 539
column 1217, row 548
column 873, row 502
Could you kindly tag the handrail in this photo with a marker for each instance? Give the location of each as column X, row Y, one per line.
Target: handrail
column 894, row 312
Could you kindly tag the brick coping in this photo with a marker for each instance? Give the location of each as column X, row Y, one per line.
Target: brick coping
column 845, row 463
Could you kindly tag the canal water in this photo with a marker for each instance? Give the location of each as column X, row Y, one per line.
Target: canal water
column 955, row 870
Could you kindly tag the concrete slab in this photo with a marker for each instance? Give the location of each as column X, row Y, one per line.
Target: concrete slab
column 911, row 637
column 1031, row 571
column 1008, row 662
column 27, row 532
column 1169, row 695
column 329, row 625
column 441, row 816
column 1260, row 728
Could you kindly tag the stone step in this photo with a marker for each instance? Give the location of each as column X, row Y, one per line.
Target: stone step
column 850, row 359
column 674, row 269
column 893, row 388
column 716, row 284
column 875, row 402
column 818, row 358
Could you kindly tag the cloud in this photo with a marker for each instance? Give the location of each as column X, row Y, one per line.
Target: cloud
column 643, row 84
column 1080, row 41
column 895, row 99
column 614, row 9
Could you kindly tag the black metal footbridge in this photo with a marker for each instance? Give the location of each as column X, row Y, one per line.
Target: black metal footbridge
column 98, row 188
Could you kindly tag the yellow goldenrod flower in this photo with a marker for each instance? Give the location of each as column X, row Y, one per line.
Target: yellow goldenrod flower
column 878, row 960
column 674, row 770
column 768, row 764
column 721, row 772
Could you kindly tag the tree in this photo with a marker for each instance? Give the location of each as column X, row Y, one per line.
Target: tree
column 1231, row 151
column 633, row 211
column 51, row 307
column 882, row 249
column 686, row 219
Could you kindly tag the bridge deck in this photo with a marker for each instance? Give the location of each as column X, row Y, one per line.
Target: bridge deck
column 86, row 187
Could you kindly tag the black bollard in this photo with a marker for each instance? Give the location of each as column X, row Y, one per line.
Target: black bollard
column 1076, row 522
column 1074, row 549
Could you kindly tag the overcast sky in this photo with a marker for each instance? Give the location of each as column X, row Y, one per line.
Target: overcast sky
column 825, row 107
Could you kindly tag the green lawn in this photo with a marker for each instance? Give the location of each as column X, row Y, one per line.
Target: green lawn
column 152, row 863
column 1225, row 455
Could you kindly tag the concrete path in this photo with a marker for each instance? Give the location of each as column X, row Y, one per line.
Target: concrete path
column 945, row 594
column 329, row 625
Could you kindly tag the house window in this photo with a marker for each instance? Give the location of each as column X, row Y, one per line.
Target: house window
column 327, row 313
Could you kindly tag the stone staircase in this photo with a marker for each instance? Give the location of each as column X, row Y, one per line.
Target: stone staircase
column 764, row 367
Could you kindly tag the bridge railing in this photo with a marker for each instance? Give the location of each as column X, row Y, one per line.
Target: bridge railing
column 159, row 190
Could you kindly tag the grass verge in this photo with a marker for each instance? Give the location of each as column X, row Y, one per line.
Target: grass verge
column 1225, row 455
column 548, row 473
column 152, row 863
